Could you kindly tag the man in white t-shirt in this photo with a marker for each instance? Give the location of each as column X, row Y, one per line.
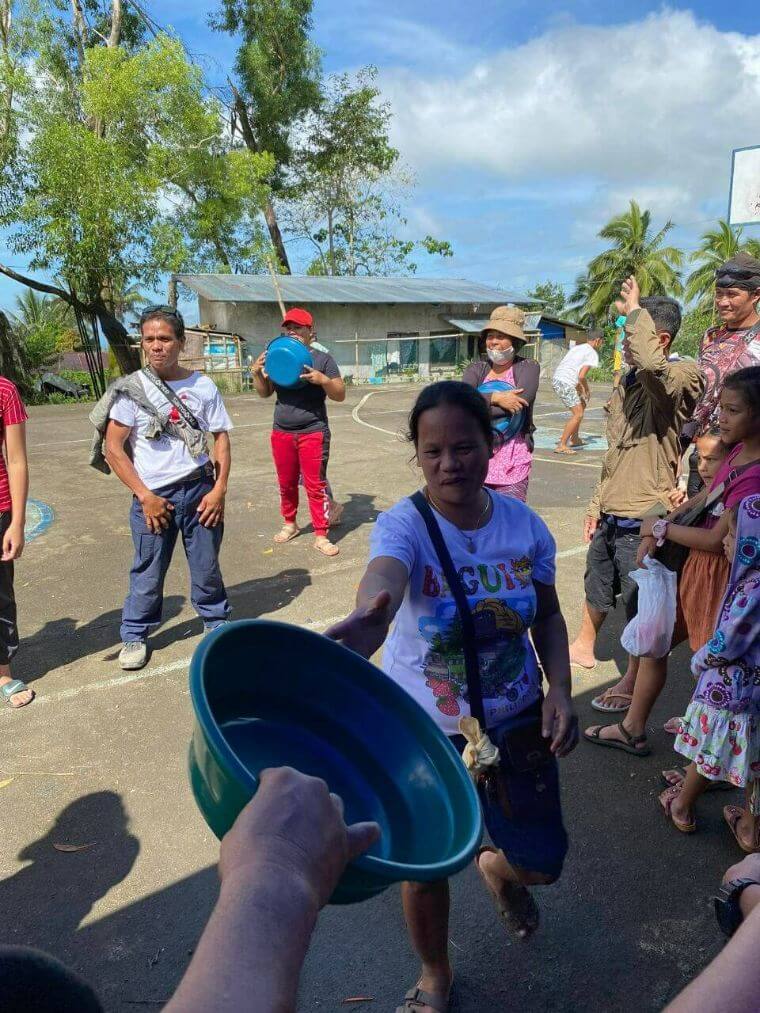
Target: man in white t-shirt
column 571, row 386
column 176, row 489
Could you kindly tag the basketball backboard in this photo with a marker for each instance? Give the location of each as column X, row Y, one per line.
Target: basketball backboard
column 744, row 198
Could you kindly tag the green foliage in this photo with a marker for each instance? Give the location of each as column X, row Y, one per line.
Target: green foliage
column 552, row 295
column 277, row 66
column 345, row 189
column 635, row 249
column 126, row 170
column 693, row 327
column 718, row 245
column 44, row 326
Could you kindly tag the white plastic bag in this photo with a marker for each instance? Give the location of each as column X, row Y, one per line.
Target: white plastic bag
column 650, row 632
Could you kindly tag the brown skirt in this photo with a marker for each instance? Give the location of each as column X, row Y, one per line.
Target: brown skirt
column 703, row 582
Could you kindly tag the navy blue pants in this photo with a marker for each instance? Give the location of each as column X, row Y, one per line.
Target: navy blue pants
column 153, row 554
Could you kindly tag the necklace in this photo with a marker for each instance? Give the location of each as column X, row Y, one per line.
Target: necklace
column 467, row 537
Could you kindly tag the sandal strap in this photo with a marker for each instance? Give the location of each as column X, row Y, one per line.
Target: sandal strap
column 632, row 740
column 416, row 997
column 10, row 689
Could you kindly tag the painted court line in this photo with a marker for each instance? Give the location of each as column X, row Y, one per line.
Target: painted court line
column 146, row 673
column 572, row 552
column 361, row 422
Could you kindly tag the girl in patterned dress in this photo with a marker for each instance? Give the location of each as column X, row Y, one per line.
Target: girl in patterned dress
column 720, row 732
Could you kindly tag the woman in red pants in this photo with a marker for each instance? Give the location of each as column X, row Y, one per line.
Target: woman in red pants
column 301, row 433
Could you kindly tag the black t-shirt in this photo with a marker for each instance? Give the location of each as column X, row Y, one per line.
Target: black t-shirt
column 302, row 409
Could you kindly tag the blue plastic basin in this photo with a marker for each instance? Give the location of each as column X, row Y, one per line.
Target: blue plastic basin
column 285, row 361
column 266, row 694
column 512, row 424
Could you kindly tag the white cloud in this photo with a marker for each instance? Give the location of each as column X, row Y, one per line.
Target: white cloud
column 650, row 109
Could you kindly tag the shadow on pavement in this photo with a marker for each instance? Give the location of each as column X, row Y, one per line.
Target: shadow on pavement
column 68, row 642
column 359, row 509
column 44, row 903
column 625, row 928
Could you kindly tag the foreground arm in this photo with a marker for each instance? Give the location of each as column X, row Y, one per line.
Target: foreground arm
column 211, row 507
column 381, row 591
column 549, row 634
column 731, row 983
column 18, row 478
column 279, row 864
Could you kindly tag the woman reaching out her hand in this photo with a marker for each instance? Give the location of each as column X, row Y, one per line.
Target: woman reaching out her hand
column 504, row 556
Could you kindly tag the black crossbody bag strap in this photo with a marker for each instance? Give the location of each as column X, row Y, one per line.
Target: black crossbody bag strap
column 471, row 666
column 172, row 398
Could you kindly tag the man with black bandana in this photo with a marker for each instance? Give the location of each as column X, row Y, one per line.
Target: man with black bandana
column 733, row 344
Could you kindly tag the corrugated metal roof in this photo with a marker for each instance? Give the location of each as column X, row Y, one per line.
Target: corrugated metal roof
column 474, row 325
column 468, row 325
column 305, row 289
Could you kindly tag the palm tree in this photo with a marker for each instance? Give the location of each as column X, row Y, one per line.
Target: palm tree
column 42, row 323
column 718, row 245
column 635, row 250
column 577, row 303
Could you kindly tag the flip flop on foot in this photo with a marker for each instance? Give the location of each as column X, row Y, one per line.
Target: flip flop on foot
column 16, row 693
column 578, row 657
column 418, row 999
column 603, row 702
column 287, row 533
column 325, row 546
column 637, row 745
column 565, row 450
column 667, row 798
column 732, row 814
column 514, row 901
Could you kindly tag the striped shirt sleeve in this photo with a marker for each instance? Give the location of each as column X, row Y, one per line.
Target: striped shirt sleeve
column 12, row 410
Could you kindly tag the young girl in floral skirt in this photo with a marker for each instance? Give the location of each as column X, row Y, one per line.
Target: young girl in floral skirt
column 720, row 732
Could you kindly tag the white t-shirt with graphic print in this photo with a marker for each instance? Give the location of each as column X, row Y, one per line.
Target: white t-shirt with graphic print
column 161, row 461
column 423, row 652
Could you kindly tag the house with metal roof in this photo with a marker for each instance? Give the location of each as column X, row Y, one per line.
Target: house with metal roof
column 376, row 328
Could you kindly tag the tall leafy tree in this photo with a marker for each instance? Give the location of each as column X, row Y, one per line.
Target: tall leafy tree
column 124, row 170
column 717, row 246
column 637, row 249
column 551, row 294
column 346, row 187
column 277, row 82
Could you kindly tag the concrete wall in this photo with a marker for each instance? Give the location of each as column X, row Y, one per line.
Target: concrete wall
column 258, row 323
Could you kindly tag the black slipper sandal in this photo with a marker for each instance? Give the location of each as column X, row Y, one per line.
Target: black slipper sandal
column 627, row 746
column 514, row 903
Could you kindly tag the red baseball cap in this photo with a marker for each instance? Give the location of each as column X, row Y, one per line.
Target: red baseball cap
column 298, row 316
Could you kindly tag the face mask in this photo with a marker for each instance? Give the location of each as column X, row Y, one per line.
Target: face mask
column 500, row 357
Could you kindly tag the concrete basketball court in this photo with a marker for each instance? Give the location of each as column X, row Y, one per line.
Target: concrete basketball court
column 99, row 758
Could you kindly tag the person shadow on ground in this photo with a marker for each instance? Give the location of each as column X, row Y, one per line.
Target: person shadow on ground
column 86, row 852
column 67, row 641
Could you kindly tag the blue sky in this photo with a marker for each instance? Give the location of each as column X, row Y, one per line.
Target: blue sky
column 526, row 126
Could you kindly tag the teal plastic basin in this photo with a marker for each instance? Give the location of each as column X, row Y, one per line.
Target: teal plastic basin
column 267, row 694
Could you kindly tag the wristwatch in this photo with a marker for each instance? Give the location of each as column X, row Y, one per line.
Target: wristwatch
column 660, row 530
column 727, row 910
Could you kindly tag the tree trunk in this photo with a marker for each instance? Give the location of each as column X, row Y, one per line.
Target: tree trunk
column 270, row 215
column 116, row 12
column 330, row 242
column 116, row 334
column 126, row 355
